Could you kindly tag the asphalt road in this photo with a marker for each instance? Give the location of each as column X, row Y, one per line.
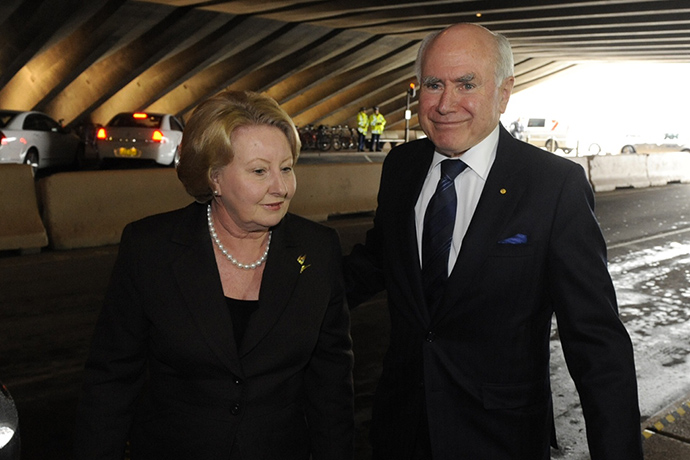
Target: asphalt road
column 49, row 302
column 648, row 237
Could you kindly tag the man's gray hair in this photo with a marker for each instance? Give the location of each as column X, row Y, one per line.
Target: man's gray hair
column 504, row 54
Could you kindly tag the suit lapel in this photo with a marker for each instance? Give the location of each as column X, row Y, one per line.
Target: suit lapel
column 279, row 280
column 412, row 180
column 500, row 195
column 197, row 275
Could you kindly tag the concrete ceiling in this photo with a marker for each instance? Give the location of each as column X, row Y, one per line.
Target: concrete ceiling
column 86, row 60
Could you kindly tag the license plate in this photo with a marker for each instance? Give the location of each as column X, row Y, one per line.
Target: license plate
column 127, row 152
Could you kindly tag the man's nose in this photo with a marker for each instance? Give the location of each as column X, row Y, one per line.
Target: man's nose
column 447, row 101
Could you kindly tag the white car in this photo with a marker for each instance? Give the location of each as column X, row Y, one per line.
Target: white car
column 654, row 143
column 546, row 133
column 9, row 426
column 140, row 136
column 34, row 138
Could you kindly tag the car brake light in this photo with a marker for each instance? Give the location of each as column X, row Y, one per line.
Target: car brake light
column 157, row 136
column 3, row 138
column 140, row 115
column 100, row 134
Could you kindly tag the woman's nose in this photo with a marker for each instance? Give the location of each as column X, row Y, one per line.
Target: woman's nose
column 278, row 184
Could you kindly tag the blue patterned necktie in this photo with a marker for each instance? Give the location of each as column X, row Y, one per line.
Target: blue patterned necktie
column 437, row 236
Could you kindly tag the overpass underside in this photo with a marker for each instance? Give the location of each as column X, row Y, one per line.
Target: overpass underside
column 84, row 61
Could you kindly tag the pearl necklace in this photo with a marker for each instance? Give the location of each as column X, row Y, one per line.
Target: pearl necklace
column 214, row 235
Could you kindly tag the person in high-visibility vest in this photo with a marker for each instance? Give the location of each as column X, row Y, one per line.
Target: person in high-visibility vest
column 362, row 128
column 376, row 124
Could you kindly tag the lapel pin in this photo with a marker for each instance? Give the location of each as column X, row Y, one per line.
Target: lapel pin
column 503, row 191
column 300, row 260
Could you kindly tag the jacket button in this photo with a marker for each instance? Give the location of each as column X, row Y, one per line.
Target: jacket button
column 430, row 337
column 238, row 381
column 235, row 410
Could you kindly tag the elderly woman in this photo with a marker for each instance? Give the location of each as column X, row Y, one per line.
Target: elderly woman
column 224, row 334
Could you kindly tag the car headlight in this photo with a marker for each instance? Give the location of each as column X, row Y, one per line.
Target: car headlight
column 9, row 420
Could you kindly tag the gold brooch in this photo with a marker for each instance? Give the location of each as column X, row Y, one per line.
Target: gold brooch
column 300, row 260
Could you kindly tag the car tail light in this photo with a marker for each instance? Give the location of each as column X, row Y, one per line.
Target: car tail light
column 157, row 136
column 140, row 116
column 3, row 138
column 100, row 134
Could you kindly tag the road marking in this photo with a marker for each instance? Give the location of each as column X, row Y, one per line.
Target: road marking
column 649, row 238
column 666, row 421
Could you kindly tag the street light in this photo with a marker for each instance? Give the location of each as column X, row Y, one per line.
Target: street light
column 411, row 92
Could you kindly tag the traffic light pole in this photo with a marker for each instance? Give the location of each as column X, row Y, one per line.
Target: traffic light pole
column 411, row 92
column 407, row 119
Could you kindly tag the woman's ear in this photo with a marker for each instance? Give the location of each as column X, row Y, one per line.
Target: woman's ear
column 215, row 183
column 213, row 175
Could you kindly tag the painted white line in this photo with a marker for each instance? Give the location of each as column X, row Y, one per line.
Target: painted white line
column 649, row 238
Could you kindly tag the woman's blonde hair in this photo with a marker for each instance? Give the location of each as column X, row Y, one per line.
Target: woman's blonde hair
column 207, row 139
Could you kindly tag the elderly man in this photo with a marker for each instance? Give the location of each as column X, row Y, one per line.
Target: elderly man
column 479, row 240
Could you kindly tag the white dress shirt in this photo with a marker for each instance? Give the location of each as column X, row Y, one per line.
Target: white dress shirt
column 468, row 186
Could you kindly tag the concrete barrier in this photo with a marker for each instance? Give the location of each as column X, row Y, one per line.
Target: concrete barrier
column 614, row 171
column 391, row 138
column 668, row 167
column 20, row 221
column 91, row 208
column 324, row 190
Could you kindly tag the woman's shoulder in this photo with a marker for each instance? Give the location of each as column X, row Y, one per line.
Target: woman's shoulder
column 318, row 242
column 183, row 221
column 307, row 233
column 296, row 224
column 167, row 217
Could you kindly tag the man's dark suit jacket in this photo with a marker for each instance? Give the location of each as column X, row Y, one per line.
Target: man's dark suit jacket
column 480, row 361
column 288, row 387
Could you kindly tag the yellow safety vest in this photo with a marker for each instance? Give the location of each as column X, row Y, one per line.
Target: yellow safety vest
column 362, row 122
column 377, row 122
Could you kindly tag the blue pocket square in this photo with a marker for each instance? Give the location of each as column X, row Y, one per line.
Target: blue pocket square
column 518, row 238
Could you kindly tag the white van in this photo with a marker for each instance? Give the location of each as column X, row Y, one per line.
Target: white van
column 543, row 132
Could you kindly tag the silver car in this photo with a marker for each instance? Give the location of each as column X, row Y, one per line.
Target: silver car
column 36, row 139
column 140, row 136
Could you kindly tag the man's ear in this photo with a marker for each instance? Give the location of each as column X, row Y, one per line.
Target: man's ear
column 505, row 90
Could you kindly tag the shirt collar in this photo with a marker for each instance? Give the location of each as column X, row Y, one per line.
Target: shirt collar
column 479, row 158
